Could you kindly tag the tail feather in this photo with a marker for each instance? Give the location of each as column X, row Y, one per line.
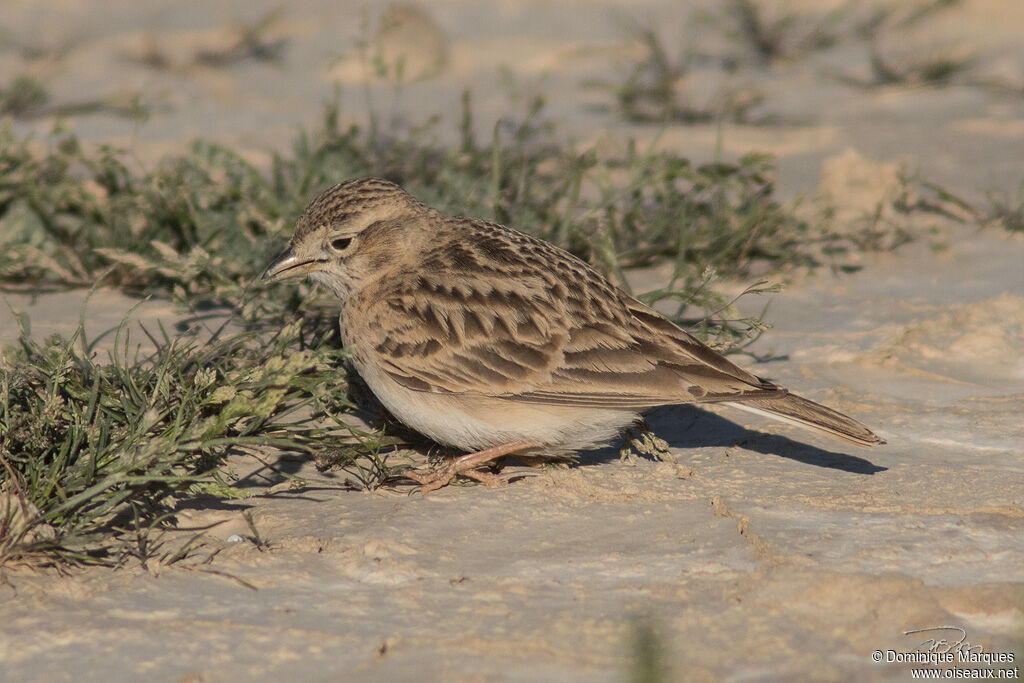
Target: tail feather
column 800, row 411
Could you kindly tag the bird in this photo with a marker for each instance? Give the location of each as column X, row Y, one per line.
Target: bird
column 493, row 342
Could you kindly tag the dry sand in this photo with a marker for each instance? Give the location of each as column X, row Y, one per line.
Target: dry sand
column 763, row 553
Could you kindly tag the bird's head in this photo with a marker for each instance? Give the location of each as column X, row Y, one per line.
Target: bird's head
column 349, row 233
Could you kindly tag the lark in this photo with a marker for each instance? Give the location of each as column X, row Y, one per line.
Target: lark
column 494, row 342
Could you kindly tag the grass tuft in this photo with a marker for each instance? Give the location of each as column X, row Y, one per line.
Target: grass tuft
column 93, row 454
column 25, row 97
column 648, row 661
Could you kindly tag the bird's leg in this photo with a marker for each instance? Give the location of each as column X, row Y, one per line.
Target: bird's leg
column 466, row 465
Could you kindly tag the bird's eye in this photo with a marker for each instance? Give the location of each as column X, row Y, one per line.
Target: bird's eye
column 341, row 244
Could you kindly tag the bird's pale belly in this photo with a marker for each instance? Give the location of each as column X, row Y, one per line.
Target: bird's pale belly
column 474, row 421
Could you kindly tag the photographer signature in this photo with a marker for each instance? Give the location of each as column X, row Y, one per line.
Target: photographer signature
column 943, row 644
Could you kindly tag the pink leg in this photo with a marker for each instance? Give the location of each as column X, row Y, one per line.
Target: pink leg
column 466, row 465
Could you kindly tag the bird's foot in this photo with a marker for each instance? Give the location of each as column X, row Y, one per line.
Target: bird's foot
column 467, row 466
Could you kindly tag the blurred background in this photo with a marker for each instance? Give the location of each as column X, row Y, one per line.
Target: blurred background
column 936, row 83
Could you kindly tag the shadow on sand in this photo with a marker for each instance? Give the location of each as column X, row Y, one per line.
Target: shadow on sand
column 690, row 427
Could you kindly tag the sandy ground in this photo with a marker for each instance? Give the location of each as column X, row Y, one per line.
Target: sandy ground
column 762, row 553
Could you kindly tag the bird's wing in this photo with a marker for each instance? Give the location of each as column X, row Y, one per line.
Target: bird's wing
column 535, row 324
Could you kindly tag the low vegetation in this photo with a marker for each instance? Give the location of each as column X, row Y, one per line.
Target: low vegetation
column 96, row 452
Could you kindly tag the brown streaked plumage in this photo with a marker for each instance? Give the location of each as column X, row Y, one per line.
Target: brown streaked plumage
column 482, row 337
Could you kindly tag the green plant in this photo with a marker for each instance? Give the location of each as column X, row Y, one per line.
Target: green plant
column 93, row 454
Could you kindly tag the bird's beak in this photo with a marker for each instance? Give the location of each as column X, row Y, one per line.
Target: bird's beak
column 288, row 265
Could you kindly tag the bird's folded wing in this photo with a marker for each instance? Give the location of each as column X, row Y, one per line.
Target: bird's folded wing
column 585, row 348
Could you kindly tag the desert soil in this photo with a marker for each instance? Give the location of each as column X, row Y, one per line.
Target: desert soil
column 763, row 552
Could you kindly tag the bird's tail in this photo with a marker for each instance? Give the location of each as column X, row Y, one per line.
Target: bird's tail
column 800, row 411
